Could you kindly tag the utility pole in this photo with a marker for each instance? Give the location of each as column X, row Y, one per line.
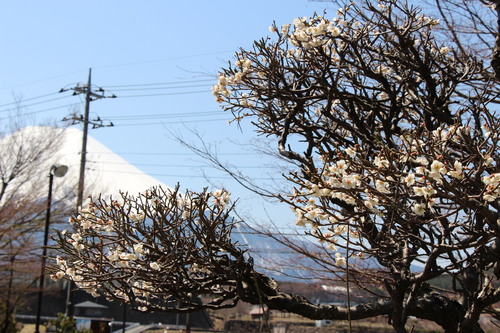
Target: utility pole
column 83, row 157
column 96, row 123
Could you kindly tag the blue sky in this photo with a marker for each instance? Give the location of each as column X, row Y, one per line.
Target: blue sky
column 167, row 50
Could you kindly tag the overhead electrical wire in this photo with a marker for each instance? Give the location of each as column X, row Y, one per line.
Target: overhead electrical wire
column 170, row 122
column 124, row 65
column 160, row 88
column 169, row 88
column 169, row 175
column 125, row 87
column 165, row 94
column 155, row 84
column 37, row 103
column 29, row 99
column 40, row 111
column 166, row 115
column 164, row 59
column 117, row 124
column 173, row 165
column 173, row 154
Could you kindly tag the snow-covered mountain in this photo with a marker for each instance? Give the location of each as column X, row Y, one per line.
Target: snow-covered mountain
column 106, row 173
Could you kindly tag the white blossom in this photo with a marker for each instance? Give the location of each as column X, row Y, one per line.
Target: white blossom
column 128, row 256
column 136, row 217
column 424, row 191
column 59, row 275
column 60, row 261
column 339, row 260
column 77, row 237
column 139, row 248
column 351, row 152
column 381, row 162
column 382, row 187
column 155, row 266
column 331, row 247
column 409, row 179
column 444, row 50
column 422, row 161
column 439, row 167
column 221, row 198
column 488, row 161
column 86, row 224
column 351, row 181
column 418, row 209
column 334, row 31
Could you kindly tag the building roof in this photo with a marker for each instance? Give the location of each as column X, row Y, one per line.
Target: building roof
column 89, row 304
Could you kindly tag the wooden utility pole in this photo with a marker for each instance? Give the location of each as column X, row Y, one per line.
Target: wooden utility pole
column 83, row 157
column 96, row 123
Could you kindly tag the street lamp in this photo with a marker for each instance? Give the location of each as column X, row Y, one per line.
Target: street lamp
column 57, row 170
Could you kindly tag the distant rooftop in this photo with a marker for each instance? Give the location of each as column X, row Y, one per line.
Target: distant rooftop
column 89, row 304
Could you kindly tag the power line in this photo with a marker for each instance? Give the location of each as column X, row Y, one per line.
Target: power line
column 166, row 115
column 163, row 59
column 170, row 175
column 173, row 154
column 166, row 94
column 134, row 116
column 115, row 124
column 156, row 84
column 40, row 111
column 41, row 80
column 162, row 88
column 121, row 96
column 28, row 99
column 38, row 103
column 169, row 123
column 175, row 166
column 152, row 87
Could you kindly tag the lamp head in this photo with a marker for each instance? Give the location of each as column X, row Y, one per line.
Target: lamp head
column 58, row 170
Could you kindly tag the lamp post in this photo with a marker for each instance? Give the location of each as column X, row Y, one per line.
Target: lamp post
column 58, row 171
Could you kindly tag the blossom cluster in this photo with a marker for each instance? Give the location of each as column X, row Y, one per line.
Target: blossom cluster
column 313, row 32
column 221, row 198
column 492, row 191
column 221, row 90
column 334, row 42
column 143, row 236
column 411, row 181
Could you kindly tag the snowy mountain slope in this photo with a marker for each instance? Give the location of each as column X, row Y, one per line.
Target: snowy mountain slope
column 106, row 173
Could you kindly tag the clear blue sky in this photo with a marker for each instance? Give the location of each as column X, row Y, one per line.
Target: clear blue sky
column 130, row 45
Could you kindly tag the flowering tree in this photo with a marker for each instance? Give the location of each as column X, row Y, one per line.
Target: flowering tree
column 395, row 134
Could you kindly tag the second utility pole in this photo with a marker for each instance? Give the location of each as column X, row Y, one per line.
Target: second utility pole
column 83, row 158
column 96, row 123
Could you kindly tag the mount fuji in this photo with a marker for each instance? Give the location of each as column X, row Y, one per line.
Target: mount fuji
column 100, row 178
column 98, row 175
